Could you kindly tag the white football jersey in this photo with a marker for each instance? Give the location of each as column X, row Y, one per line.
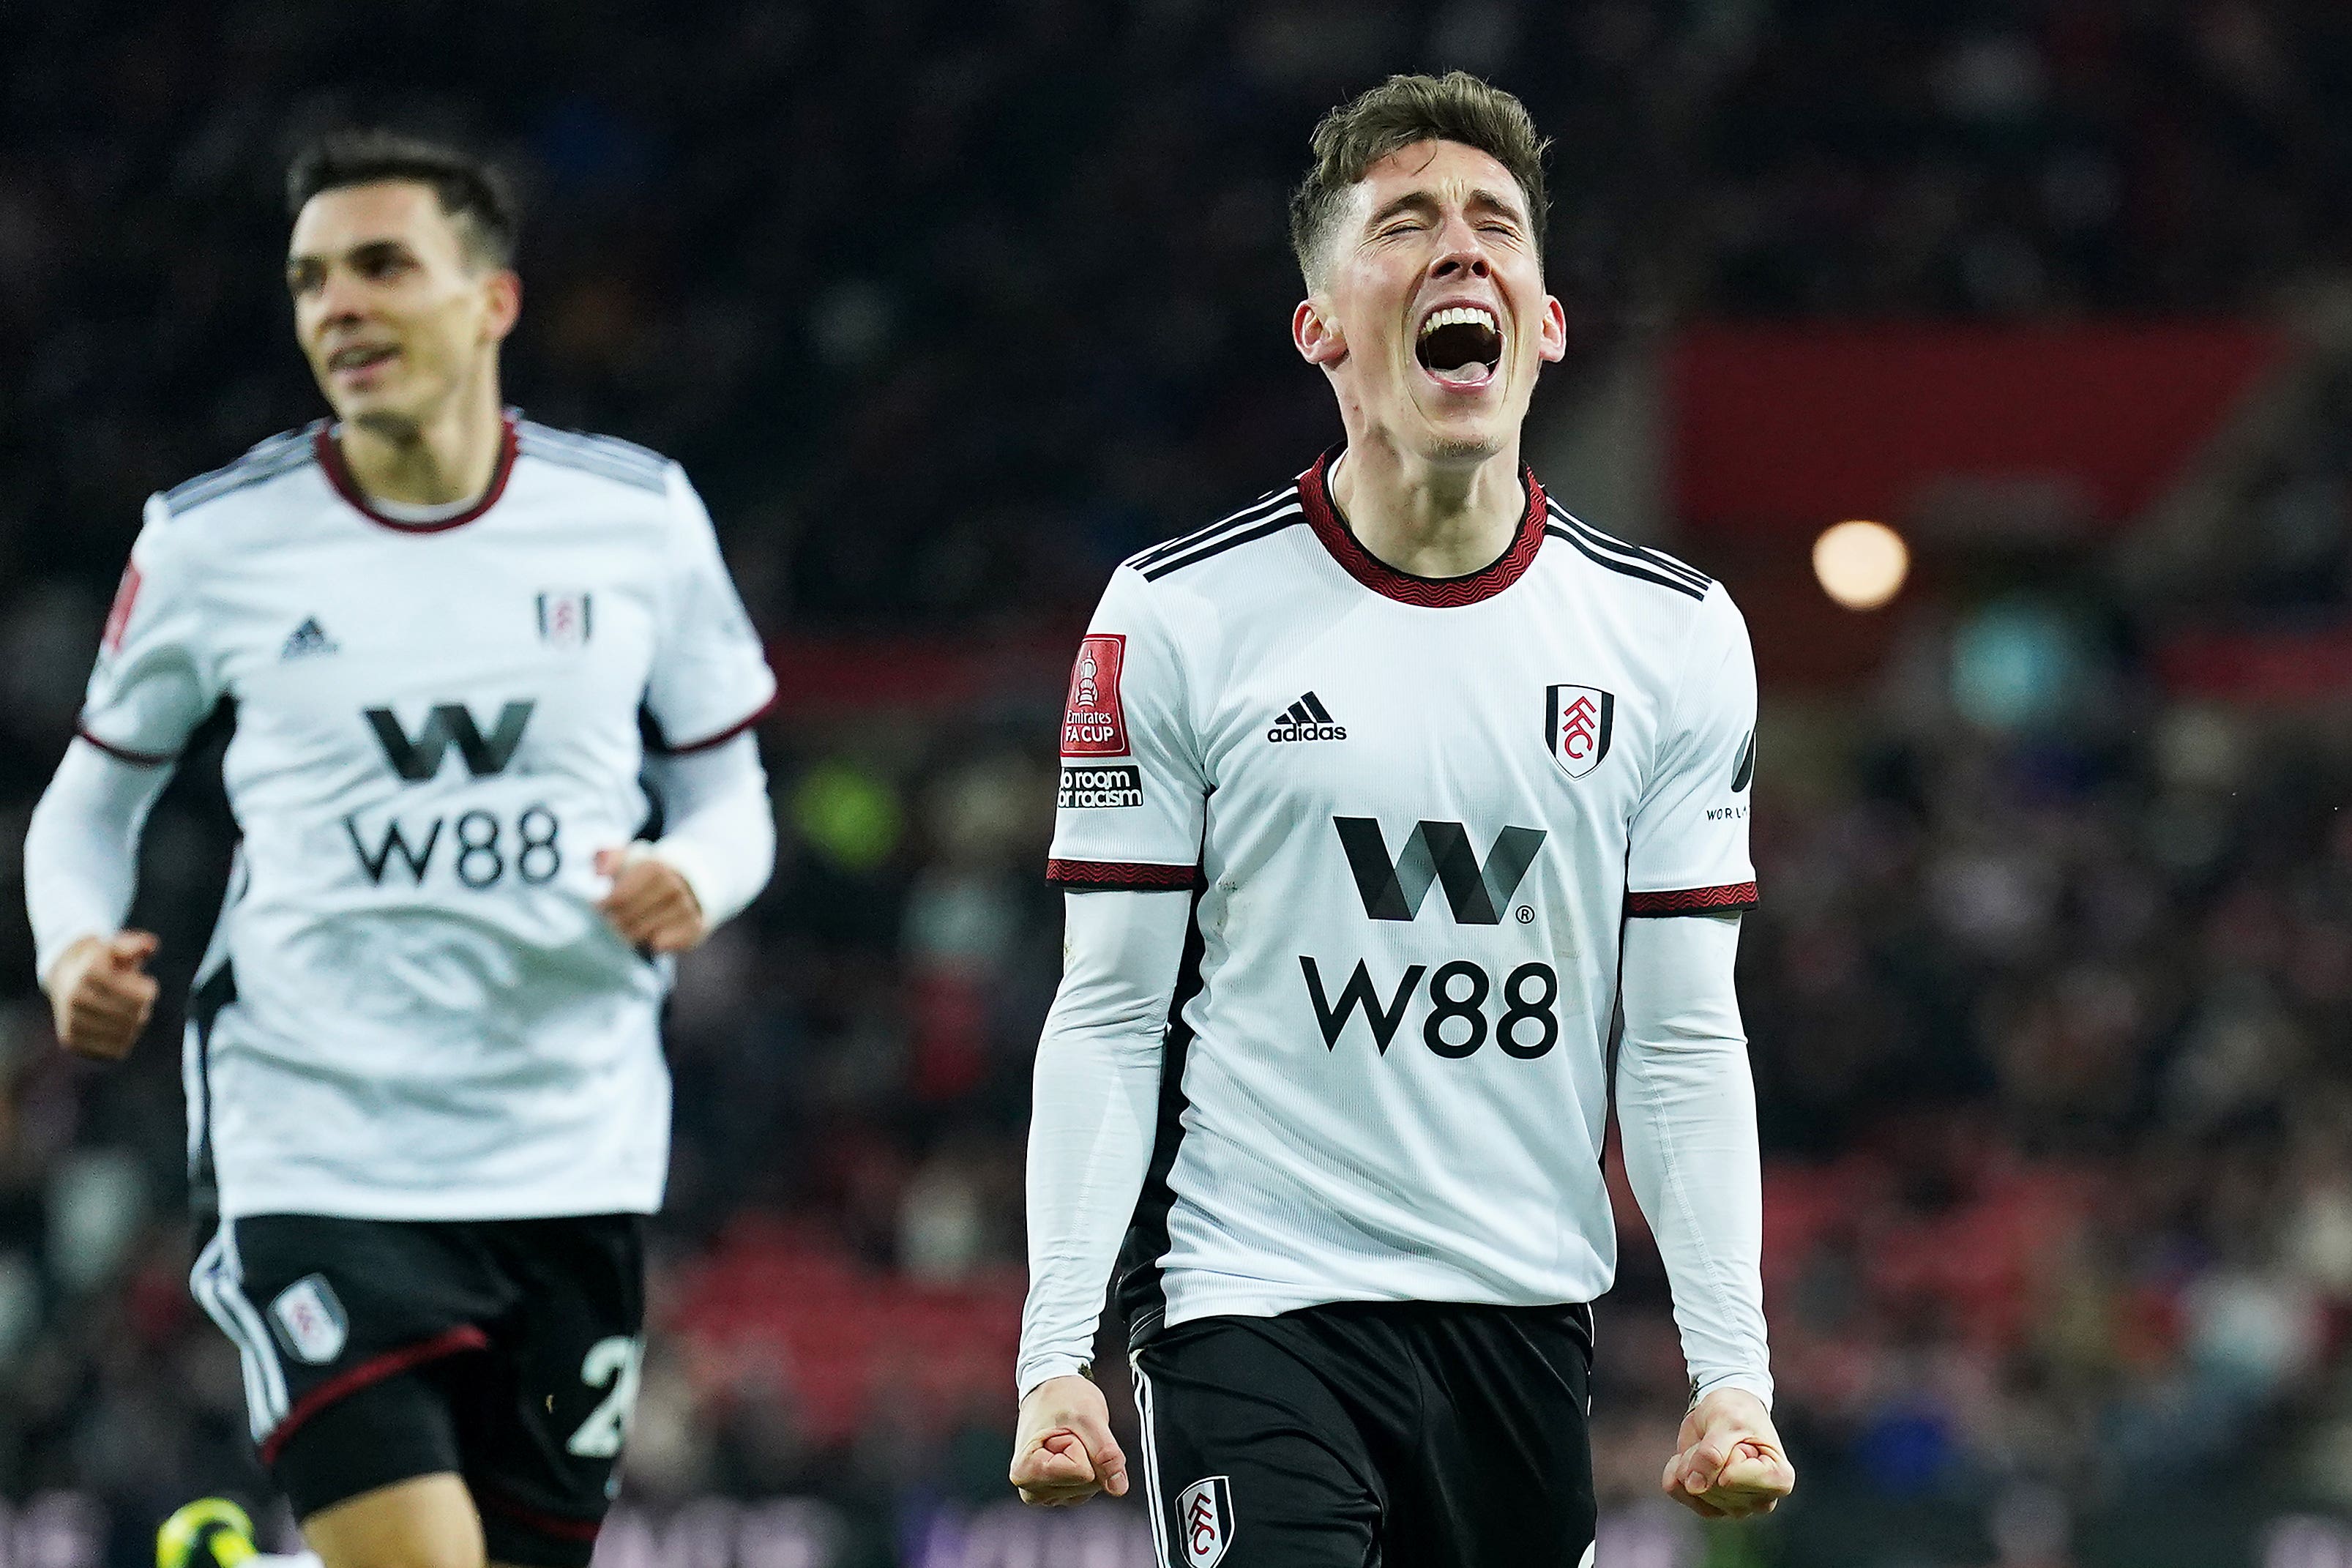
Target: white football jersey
column 411, row 1008
column 1413, row 816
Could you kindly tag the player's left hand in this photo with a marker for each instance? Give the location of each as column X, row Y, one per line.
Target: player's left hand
column 650, row 905
column 1729, row 1462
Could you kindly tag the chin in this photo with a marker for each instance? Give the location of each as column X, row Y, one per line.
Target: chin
column 379, row 419
column 1462, row 448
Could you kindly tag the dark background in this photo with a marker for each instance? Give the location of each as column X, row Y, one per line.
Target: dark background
column 948, row 308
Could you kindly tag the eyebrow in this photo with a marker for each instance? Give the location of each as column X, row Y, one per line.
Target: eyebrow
column 364, row 247
column 1423, row 201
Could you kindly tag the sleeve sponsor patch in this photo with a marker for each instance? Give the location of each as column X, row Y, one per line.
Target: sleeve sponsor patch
column 118, row 618
column 1089, row 788
column 1093, row 724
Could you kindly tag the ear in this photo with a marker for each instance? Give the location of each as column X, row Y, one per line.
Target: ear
column 1319, row 341
column 1552, row 343
column 502, row 291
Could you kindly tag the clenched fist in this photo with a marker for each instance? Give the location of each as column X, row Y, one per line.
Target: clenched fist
column 1063, row 1451
column 102, row 993
column 1729, row 1462
column 651, row 904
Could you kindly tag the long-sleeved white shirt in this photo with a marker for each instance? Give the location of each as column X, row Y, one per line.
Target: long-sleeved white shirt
column 1431, row 831
column 81, row 847
column 1685, row 1103
column 411, row 1007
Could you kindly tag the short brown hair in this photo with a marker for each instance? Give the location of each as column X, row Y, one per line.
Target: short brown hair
column 1401, row 110
column 473, row 194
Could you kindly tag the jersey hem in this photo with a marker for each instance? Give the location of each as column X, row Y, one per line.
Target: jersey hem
column 371, row 1205
column 1120, row 876
column 1717, row 900
column 1257, row 1301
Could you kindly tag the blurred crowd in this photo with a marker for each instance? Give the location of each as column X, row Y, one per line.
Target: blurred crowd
column 947, row 309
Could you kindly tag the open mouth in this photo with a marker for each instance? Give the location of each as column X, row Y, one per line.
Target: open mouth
column 1460, row 345
column 360, row 356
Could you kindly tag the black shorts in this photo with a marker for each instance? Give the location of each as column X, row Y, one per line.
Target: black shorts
column 376, row 1350
column 1372, row 1434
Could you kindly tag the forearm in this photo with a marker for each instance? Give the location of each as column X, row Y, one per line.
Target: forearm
column 1686, row 1107
column 81, row 848
column 1095, row 1115
column 721, row 830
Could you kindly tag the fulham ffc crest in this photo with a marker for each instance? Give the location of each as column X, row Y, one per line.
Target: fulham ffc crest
column 1205, row 1521
column 1577, row 729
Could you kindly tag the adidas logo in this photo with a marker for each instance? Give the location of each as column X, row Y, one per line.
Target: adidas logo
column 309, row 638
column 1306, row 720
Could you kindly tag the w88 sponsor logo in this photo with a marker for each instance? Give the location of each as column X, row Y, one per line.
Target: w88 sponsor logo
column 1392, row 887
column 1455, row 1025
column 483, row 849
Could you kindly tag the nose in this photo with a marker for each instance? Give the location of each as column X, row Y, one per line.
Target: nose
column 1459, row 254
column 339, row 298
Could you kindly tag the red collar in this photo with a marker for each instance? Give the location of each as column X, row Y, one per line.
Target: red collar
column 1432, row 593
column 331, row 458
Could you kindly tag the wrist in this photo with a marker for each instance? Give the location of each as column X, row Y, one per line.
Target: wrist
column 1035, row 1374
column 73, row 952
column 1758, row 1385
column 691, row 865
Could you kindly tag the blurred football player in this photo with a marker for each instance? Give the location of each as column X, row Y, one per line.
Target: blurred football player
column 426, row 1098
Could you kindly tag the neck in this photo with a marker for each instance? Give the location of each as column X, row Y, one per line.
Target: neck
column 1427, row 519
column 448, row 456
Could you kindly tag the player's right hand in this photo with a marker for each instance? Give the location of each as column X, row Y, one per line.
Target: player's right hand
column 101, row 995
column 1063, row 1451
column 1729, row 1462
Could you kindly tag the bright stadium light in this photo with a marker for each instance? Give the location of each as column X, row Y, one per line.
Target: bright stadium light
column 1861, row 564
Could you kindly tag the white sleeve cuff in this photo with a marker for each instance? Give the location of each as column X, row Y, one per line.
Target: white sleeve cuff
column 1039, row 1369
column 81, row 849
column 721, row 831
column 1759, row 1383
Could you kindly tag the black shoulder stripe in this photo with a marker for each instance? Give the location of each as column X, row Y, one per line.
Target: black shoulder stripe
column 244, row 476
column 618, row 448
column 1249, row 514
column 1628, row 568
column 609, row 450
column 1657, row 560
column 610, row 447
column 265, row 461
column 622, row 471
column 574, row 455
column 1292, row 516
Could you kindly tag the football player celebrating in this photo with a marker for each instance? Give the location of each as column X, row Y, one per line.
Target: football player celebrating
column 1388, row 803
column 425, row 1087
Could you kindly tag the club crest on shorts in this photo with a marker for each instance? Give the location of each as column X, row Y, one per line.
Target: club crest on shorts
column 307, row 1319
column 1579, row 728
column 563, row 620
column 1205, row 1521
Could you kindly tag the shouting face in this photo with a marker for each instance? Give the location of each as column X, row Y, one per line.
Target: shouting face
column 1428, row 307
